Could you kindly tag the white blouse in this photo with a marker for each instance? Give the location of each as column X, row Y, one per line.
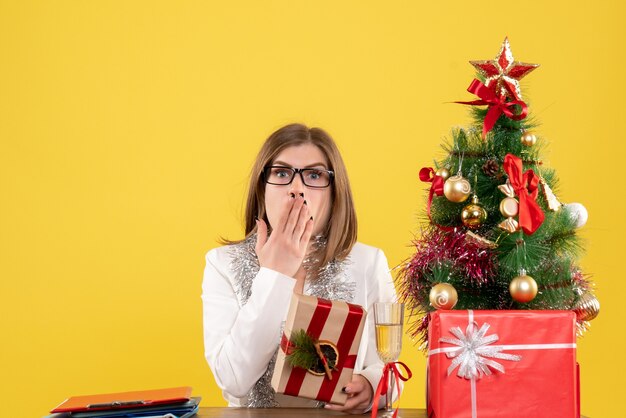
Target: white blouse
column 241, row 339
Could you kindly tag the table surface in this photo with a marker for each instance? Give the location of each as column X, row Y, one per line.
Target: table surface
column 290, row 412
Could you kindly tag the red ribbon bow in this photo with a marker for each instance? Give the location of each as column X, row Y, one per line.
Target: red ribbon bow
column 497, row 105
column 383, row 385
column 428, row 175
column 526, row 188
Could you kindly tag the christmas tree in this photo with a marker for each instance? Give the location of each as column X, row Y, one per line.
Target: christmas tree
column 495, row 235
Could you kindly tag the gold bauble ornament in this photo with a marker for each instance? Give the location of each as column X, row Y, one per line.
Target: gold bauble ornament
column 509, row 207
column 443, row 296
column 587, row 307
column 528, row 139
column 473, row 215
column 523, row 288
column 443, row 173
column 457, row 189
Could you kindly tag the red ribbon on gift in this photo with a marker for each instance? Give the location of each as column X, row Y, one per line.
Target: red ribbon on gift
column 344, row 343
column 383, row 385
column 286, row 345
column 497, row 105
column 526, row 187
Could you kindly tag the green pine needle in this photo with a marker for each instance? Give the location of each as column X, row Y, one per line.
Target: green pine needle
column 304, row 354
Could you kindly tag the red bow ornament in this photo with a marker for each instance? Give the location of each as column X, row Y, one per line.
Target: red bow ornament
column 497, row 105
column 428, row 175
column 526, row 188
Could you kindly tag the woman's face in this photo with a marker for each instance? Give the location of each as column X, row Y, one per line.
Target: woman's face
column 277, row 197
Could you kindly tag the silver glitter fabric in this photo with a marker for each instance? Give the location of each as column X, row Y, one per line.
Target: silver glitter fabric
column 330, row 282
column 262, row 394
column 245, row 265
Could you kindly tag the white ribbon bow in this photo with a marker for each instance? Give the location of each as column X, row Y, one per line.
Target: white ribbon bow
column 474, row 352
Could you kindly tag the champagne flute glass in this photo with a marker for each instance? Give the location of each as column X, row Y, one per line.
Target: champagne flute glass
column 388, row 318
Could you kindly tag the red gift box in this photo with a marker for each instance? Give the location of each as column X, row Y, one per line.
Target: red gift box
column 337, row 322
column 513, row 364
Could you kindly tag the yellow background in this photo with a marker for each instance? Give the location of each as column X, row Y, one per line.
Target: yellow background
column 128, row 129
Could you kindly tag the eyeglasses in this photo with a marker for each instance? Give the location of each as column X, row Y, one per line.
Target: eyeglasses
column 311, row 177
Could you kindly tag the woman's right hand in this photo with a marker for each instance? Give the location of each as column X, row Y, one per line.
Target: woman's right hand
column 285, row 249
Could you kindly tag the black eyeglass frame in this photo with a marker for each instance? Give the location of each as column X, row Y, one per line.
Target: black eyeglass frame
column 331, row 175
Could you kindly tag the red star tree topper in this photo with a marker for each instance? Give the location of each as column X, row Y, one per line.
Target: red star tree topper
column 503, row 73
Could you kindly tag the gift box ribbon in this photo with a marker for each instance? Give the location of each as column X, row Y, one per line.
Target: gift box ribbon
column 344, row 343
column 473, row 353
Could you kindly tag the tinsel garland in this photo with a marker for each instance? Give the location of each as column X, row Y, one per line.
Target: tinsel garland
column 582, row 285
column 435, row 248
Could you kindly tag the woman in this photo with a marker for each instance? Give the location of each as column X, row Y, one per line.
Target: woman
column 300, row 237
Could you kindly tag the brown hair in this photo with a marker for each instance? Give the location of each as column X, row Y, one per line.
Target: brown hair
column 341, row 230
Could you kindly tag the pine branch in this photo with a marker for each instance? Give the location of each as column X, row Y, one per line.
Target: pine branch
column 303, row 352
